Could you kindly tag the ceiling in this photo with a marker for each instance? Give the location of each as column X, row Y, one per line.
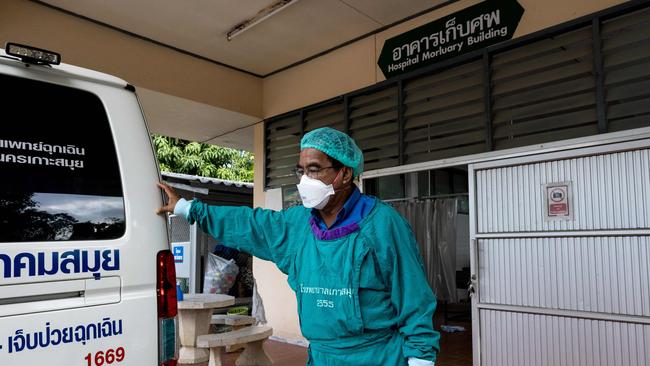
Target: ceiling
column 301, row 30
column 189, row 120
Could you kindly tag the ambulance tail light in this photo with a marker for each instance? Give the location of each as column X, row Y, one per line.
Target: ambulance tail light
column 167, row 309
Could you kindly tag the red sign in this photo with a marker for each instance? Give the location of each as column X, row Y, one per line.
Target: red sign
column 556, row 209
column 557, row 201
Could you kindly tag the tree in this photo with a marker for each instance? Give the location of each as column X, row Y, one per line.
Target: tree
column 181, row 156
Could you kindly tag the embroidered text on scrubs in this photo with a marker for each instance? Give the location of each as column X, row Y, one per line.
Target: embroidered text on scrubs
column 326, row 291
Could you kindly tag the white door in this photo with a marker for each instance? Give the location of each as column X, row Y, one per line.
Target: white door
column 561, row 257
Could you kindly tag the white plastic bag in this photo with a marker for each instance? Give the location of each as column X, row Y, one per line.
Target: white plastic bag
column 258, row 306
column 220, row 274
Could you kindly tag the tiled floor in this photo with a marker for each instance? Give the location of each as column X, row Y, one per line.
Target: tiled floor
column 456, row 350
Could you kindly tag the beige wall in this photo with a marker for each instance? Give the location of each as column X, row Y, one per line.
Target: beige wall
column 355, row 66
column 348, row 69
column 258, row 173
column 336, row 73
column 282, row 310
column 538, row 15
column 279, row 299
column 140, row 62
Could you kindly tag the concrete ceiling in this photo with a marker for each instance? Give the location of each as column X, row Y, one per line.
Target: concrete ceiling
column 303, row 29
column 189, row 120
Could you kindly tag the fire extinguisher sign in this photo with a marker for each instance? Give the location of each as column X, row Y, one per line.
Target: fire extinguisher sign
column 558, row 201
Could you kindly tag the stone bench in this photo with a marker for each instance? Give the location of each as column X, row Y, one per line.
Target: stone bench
column 236, row 322
column 253, row 337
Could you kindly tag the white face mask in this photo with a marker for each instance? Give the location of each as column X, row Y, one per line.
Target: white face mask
column 314, row 193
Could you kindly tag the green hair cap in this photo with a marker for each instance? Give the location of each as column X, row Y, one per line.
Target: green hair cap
column 336, row 145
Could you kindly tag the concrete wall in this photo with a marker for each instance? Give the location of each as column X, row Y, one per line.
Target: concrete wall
column 348, row 69
column 279, row 300
column 141, row 63
column 355, row 66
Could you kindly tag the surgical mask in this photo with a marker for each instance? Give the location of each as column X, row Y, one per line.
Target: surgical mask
column 314, row 193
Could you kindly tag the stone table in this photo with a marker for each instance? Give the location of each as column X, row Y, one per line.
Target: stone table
column 194, row 316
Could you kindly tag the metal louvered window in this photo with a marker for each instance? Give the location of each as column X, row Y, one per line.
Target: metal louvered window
column 329, row 115
column 444, row 114
column 626, row 61
column 588, row 76
column 545, row 91
column 373, row 125
column 283, row 139
column 282, row 149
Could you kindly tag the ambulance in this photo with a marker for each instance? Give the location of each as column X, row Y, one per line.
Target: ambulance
column 86, row 274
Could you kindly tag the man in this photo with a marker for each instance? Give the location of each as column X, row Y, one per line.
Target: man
column 352, row 260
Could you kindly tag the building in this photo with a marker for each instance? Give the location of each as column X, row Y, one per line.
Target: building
column 557, row 109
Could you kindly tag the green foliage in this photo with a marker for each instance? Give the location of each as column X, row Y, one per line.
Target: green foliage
column 180, row 156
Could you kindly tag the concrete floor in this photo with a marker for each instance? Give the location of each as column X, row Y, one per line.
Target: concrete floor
column 282, row 354
column 456, row 350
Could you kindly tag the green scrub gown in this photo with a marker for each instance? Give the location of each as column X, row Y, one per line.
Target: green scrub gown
column 363, row 298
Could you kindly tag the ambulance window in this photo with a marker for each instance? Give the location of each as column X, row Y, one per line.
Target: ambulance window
column 60, row 177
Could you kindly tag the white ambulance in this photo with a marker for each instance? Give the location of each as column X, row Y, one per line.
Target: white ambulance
column 86, row 275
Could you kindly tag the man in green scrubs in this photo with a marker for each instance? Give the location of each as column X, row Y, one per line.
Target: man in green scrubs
column 353, row 262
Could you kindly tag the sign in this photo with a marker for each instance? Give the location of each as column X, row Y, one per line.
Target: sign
column 473, row 28
column 181, row 252
column 558, row 204
column 178, row 254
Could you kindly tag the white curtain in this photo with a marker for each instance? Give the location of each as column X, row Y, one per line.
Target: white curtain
column 434, row 225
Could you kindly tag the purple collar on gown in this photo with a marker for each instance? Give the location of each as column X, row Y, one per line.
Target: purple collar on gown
column 355, row 209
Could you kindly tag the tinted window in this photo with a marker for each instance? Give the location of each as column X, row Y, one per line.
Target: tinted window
column 385, row 188
column 60, row 178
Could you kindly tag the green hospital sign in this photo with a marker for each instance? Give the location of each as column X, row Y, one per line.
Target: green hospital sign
column 476, row 27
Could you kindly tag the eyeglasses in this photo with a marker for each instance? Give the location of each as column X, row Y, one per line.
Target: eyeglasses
column 312, row 171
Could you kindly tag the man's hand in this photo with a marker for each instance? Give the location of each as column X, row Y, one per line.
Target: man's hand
column 172, row 196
